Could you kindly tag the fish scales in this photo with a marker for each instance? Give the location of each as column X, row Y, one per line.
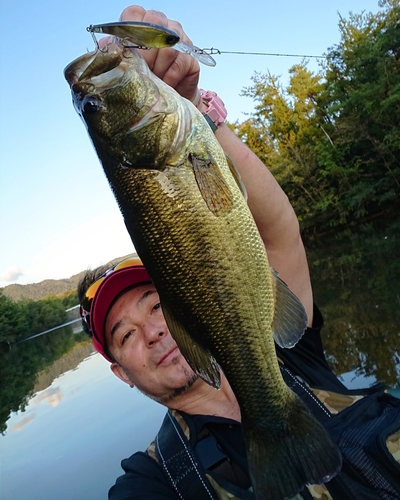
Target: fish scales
column 213, row 292
column 190, row 224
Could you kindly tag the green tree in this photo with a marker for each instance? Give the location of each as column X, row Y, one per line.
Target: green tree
column 362, row 96
column 9, row 318
column 70, row 299
column 24, row 318
column 285, row 131
column 20, row 364
column 333, row 139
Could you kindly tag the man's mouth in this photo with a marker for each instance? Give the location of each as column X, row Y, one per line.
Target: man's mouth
column 169, row 356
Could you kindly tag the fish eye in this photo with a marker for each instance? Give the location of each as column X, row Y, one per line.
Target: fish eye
column 171, row 40
column 90, row 105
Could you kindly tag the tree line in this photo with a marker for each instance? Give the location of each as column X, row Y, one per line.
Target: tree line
column 332, row 138
column 19, row 320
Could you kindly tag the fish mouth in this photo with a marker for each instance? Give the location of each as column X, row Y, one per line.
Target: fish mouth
column 92, row 73
column 96, row 63
column 168, row 356
column 76, row 68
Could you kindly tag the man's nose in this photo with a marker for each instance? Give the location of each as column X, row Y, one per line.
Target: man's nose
column 154, row 333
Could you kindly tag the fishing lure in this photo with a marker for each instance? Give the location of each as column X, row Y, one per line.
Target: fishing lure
column 148, row 35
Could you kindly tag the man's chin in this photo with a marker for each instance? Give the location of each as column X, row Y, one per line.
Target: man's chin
column 175, row 393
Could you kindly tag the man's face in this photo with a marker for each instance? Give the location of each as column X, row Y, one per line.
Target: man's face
column 147, row 356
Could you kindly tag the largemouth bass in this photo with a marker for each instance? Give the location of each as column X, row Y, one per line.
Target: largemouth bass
column 189, row 222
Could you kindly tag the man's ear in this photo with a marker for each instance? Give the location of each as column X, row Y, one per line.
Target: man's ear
column 120, row 373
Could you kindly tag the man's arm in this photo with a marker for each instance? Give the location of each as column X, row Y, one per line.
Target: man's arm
column 274, row 216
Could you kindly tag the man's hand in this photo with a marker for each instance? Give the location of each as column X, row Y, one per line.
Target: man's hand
column 180, row 71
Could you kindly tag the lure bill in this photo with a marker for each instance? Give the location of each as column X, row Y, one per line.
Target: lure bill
column 148, row 36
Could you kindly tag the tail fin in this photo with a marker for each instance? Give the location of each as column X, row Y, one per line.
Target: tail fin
column 283, row 461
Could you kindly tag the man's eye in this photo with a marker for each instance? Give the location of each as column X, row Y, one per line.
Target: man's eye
column 126, row 336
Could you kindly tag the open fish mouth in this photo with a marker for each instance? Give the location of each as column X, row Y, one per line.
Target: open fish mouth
column 74, row 70
column 96, row 71
column 97, row 65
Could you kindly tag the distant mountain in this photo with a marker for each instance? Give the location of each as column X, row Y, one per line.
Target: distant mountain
column 38, row 291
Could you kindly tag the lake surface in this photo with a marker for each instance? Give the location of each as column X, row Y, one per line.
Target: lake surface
column 67, row 421
column 356, row 282
column 77, row 426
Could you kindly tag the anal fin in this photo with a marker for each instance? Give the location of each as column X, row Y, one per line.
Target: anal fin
column 290, row 317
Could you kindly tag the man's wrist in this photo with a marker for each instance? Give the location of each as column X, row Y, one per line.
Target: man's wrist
column 212, row 108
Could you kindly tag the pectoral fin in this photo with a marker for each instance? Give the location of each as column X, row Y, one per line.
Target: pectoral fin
column 200, row 360
column 212, row 185
column 290, row 317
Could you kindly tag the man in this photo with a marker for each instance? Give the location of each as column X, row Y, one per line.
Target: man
column 199, row 451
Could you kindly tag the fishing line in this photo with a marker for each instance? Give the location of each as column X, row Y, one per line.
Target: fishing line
column 214, row 51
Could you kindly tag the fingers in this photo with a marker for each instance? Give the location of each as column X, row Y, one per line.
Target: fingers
column 103, row 42
column 178, row 70
column 137, row 13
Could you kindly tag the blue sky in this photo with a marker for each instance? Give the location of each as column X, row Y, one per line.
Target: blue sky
column 57, row 213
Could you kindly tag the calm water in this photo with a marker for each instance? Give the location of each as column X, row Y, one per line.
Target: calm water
column 75, row 429
column 67, row 421
column 356, row 282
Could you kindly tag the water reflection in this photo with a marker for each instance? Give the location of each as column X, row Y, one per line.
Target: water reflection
column 71, row 436
column 21, row 364
column 356, row 280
